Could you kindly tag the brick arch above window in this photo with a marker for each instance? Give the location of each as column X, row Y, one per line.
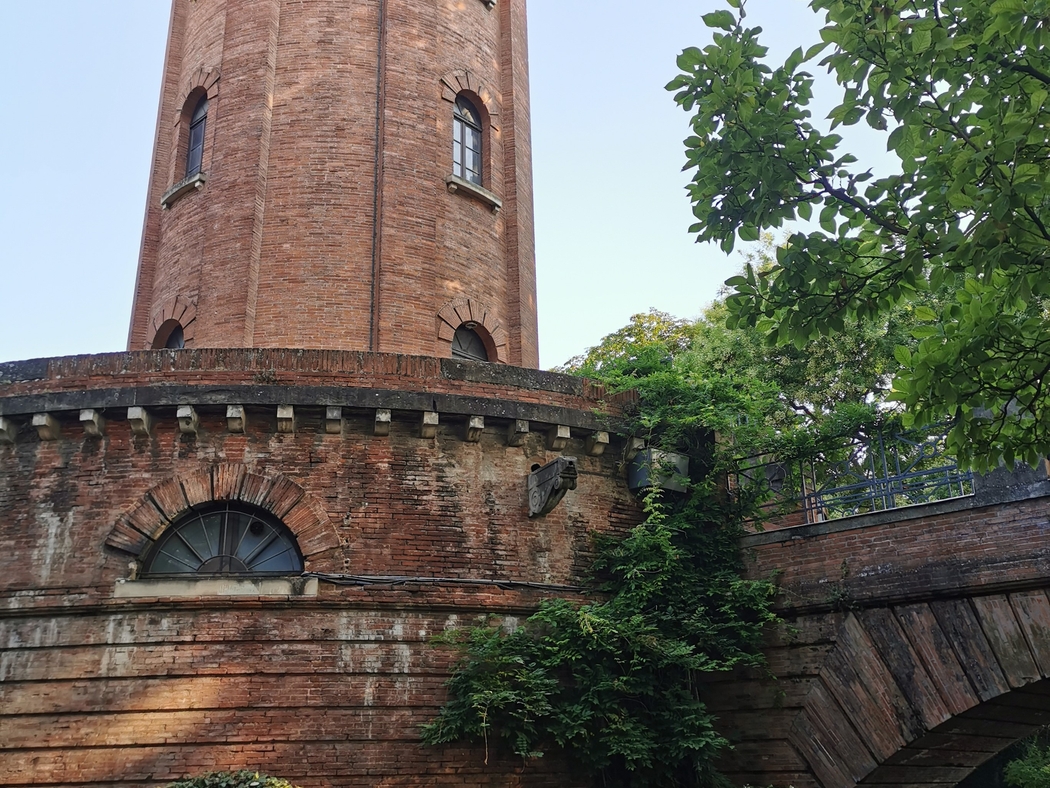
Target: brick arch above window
column 179, row 309
column 203, row 79
column 475, row 314
column 137, row 530
column 456, row 82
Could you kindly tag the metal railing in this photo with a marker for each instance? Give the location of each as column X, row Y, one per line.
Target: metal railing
column 863, row 474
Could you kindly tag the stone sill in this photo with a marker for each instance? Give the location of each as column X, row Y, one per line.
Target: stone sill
column 183, row 187
column 216, row 586
column 457, row 184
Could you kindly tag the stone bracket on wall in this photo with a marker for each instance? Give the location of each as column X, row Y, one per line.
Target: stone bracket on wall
column 548, row 485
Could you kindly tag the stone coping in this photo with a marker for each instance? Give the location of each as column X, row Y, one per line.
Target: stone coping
column 344, row 369
column 464, row 601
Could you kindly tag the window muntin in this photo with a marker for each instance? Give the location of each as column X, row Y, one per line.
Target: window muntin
column 225, row 539
column 195, row 149
column 466, row 142
column 467, row 344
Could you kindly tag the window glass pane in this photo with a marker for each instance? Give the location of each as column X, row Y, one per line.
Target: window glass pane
column 255, row 537
column 467, row 344
column 193, row 162
column 200, row 111
column 196, row 535
column 195, row 152
column 175, row 556
column 457, row 131
column 236, row 527
column 276, row 557
column 176, row 339
column 467, row 112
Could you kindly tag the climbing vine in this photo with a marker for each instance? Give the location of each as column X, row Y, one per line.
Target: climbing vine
column 615, row 682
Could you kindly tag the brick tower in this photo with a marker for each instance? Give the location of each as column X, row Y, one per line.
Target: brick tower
column 231, row 546
column 342, row 175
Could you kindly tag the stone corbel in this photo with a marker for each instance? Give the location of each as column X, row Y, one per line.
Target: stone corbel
column 548, row 485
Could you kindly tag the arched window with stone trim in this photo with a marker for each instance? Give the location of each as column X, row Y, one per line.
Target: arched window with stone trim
column 195, row 143
column 466, row 141
column 229, row 538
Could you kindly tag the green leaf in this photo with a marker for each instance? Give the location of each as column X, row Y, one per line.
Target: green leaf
column 827, row 218
column 721, row 19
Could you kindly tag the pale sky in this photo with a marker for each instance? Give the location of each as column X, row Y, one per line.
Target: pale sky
column 81, row 100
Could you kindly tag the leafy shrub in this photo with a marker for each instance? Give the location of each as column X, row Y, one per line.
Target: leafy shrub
column 1033, row 769
column 242, row 779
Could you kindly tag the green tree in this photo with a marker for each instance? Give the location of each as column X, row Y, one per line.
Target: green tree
column 960, row 88
column 1032, row 769
column 649, row 341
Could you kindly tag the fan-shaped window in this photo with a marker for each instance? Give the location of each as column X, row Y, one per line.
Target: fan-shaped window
column 466, row 142
column 195, row 151
column 225, row 539
column 466, row 343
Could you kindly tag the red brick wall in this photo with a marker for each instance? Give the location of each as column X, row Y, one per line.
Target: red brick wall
column 289, row 243
column 327, row 690
column 942, row 551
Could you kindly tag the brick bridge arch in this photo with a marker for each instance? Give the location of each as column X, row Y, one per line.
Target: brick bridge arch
column 921, row 694
column 916, row 643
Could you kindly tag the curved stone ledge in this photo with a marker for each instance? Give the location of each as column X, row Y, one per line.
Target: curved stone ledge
column 179, row 588
column 299, row 396
column 347, row 369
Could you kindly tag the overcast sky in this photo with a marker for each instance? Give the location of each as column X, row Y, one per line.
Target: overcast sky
column 80, row 104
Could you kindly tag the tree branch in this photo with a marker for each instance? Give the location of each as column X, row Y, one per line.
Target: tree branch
column 1021, row 68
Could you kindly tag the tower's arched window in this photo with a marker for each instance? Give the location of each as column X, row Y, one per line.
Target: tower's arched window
column 171, row 336
column 195, row 150
column 466, row 141
column 225, row 539
column 176, row 339
column 468, row 344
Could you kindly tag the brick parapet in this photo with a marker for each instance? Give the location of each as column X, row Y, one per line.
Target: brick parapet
column 935, row 550
column 348, row 369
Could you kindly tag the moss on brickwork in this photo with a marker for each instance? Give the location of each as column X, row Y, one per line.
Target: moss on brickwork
column 243, row 779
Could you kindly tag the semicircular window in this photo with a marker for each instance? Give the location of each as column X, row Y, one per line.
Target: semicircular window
column 225, row 539
column 466, row 343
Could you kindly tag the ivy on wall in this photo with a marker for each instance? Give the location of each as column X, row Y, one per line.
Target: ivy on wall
column 615, row 682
